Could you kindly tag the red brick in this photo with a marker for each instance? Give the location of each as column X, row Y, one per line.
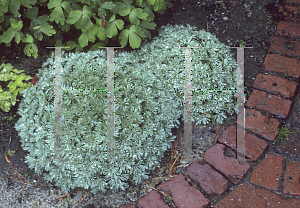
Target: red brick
column 293, row 9
column 293, row 1
column 183, row 194
column 208, row 179
column 128, row 206
column 249, row 196
column 277, row 46
column 267, row 102
column 262, row 125
column 254, row 146
column 152, row 199
column 279, row 64
column 288, row 29
column 268, row 172
column 275, row 85
column 233, row 169
column 291, row 179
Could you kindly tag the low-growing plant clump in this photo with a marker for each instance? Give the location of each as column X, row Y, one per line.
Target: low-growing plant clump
column 149, row 99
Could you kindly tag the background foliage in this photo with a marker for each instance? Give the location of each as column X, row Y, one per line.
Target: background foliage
column 12, row 80
column 84, row 22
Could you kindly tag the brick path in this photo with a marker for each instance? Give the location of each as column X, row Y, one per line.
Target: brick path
column 271, row 94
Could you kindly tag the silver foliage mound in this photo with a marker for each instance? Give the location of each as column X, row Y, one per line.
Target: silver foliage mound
column 149, row 99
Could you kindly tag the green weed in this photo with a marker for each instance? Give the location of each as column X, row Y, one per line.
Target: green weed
column 283, row 133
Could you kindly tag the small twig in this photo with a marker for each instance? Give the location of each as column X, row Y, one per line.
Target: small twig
column 8, row 160
column 163, row 177
column 159, row 192
column 23, row 188
column 63, row 196
column 190, row 180
column 173, row 165
column 161, row 185
column 216, row 134
column 82, row 198
column 23, row 182
column 19, row 176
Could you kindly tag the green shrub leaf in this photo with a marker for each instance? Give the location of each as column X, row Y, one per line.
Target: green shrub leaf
column 108, row 5
column 112, row 25
column 135, row 14
column 133, row 34
column 57, row 15
column 14, row 6
column 74, row 16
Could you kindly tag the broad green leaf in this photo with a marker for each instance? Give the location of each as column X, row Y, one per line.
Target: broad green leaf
column 57, row 15
column 147, row 24
column 101, row 12
column 87, row 36
column 32, row 13
column 18, row 81
column 148, row 10
column 97, row 45
column 5, row 77
column 74, row 16
column 135, row 14
column 4, row 8
column 28, row 78
column 133, row 36
column 53, row 4
column 139, row 2
column 112, row 18
column 159, row 6
column 150, row 2
column 47, row 29
column 146, row 33
column 28, row 39
column 4, row 95
column 15, row 24
column 67, row 7
column 6, row 68
column 119, row 6
column 108, row 5
column 65, row 27
column 17, row 71
column 100, row 30
column 28, row 3
column 111, row 27
column 86, row 10
column 59, row 43
column 86, row 21
column 125, row 11
column 28, row 50
column 11, row 86
column 71, row 44
column 37, row 33
column 128, row 2
column 14, row 6
column 41, row 20
column 5, row 104
column 15, row 93
column 8, row 35
column 13, row 100
column 31, row 49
